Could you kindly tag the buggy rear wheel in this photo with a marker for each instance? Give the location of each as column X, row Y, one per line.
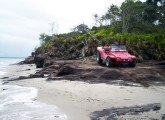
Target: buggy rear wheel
column 98, row 57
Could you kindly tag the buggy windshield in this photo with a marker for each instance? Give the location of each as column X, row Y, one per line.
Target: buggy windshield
column 118, row 48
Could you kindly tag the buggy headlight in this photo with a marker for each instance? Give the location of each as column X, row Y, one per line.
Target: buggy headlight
column 118, row 58
column 129, row 58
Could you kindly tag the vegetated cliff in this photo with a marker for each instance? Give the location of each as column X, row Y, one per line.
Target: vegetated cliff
column 143, row 46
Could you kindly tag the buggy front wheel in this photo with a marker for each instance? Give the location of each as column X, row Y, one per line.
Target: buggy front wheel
column 109, row 62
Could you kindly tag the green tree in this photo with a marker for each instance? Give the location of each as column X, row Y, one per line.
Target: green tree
column 113, row 14
column 131, row 13
column 161, row 11
column 81, row 29
column 44, row 38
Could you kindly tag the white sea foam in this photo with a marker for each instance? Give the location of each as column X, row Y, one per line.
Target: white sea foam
column 18, row 103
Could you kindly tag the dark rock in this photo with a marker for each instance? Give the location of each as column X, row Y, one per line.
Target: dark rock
column 39, row 61
column 22, row 77
column 4, row 77
column 113, row 113
column 163, row 117
column 82, row 77
column 111, row 75
column 66, row 70
column 37, row 75
column 19, row 78
column 53, row 69
column 56, row 116
column 156, row 107
column 47, row 63
column 29, row 60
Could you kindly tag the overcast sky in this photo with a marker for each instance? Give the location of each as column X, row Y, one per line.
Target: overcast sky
column 21, row 21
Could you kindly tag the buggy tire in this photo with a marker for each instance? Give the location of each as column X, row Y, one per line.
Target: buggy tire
column 98, row 58
column 133, row 63
column 109, row 62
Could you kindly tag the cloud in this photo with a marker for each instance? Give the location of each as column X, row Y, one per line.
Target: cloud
column 16, row 46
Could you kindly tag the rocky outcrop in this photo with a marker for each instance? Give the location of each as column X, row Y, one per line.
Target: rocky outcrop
column 144, row 74
column 28, row 60
column 39, row 61
column 92, row 72
column 66, row 70
column 36, row 75
column 48, row 62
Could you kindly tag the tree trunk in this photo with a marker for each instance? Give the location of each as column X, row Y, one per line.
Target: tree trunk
column 123, row 23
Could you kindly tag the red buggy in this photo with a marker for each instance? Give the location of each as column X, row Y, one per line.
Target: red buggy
column 115, row 55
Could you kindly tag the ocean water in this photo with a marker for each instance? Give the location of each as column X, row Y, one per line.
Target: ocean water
column 5, row 62
column 19, row 103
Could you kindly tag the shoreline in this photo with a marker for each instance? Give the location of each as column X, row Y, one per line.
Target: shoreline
column 79, row 99
column 23, row 97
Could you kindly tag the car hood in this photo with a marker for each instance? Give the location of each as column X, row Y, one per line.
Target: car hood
column 122, row 55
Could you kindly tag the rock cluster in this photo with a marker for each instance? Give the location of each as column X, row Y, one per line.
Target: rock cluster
column 114, row 113
column 28, row 60
column 91, row 72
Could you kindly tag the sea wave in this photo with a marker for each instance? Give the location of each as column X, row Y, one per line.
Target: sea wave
column 18, row 103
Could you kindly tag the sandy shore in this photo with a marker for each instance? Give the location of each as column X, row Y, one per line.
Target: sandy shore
column 78, row 99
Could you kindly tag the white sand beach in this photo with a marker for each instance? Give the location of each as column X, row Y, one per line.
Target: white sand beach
column 79, row 99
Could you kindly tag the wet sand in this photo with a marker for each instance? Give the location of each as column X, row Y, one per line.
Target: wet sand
column 79, row 99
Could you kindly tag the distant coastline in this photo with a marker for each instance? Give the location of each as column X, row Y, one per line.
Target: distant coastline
column 14, row 57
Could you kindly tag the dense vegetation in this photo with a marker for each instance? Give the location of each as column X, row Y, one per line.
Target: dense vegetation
column 138, row 25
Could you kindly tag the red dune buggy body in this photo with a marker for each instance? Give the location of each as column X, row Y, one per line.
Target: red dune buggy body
column 115, row 55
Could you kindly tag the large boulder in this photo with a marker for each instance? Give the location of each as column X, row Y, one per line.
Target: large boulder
column 39, row 61
column 66, row 70
column 48, row 62
column 36, row 75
